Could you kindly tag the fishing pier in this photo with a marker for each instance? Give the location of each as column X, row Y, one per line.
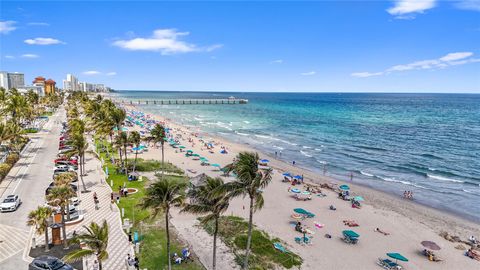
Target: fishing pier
column 195, row 101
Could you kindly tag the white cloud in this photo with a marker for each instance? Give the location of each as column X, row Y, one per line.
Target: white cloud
column 278, row 61
column 7, row 26
column 456, row 56
column 365, row 74
column 38, row 24
column 91, row 72
column 165, row 41
column 43, row 41
column 451, row 59
column 404, row 8
column 309, row 73
column 9, row 56
column 113, row 73
column 469, row 5
column 29, row 55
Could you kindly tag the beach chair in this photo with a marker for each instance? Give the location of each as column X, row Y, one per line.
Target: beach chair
column 388, row 264
column 303, row 240
column 350, row 237
column 280, row 247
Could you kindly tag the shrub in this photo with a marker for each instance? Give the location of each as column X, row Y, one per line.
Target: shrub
column 4, row 169
column 12, row 158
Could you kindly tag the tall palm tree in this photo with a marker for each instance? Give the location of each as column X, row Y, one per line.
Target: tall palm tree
column 40, row 218
column 80, row 145
column 161, row 196
column 250, row 181
column 135, row 140
column 65, row 179
column 96, row 239
column 205, row 200
column 59, row 196
column 158, row 134
column 124, row 137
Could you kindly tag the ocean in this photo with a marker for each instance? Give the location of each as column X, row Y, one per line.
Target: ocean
column 426, row 143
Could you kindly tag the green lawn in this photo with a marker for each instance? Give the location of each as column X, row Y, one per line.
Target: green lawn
column 153, row 247
column 233, row 231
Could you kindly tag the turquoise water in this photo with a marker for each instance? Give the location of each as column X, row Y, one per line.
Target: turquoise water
column 427, row 143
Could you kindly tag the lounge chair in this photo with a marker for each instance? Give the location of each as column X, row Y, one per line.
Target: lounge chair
column 280, row 247
column 388, row 264
column 303, row 240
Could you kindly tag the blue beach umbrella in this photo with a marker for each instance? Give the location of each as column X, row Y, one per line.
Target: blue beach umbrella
column 397, row 256
column 298, row 177
column 344, row 187
column 287, row 174
column 295, row 190
column 264, row 160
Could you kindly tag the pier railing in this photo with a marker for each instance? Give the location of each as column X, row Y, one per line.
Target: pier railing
column 215, row 101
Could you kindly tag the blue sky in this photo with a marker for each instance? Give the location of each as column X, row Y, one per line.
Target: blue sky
column 367, row 46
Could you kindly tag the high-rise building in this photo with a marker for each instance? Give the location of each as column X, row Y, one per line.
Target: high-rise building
column 71, row 83
column 16, row 80
column 4, row 79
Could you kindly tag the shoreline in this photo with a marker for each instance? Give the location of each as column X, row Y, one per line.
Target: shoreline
column 380, row 197
column 408, row 219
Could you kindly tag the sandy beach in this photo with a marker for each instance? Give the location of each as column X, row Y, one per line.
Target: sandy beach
column 407, row 223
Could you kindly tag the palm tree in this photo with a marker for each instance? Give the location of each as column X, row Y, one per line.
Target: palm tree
column 124, row 137
column 80, row 145
column 65, row 179
column 158, row 134
column 205, row 200
column 161, row 196
column 40, row 218
column 118, row 116
column 96, row 239
column 59, row 196
column 135, row 140
column 250, row 181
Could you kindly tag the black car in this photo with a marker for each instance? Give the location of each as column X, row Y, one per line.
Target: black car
column 52, row 185
column 48, row 262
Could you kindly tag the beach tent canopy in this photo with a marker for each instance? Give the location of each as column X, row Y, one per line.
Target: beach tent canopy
column 344, row 187
column 198, row 180
column 397, row 256
column 350, row 234
column 430, row 245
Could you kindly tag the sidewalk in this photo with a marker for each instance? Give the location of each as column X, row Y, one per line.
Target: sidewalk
column 118, row 245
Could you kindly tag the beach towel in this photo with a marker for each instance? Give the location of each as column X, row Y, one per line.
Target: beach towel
column 319, row 225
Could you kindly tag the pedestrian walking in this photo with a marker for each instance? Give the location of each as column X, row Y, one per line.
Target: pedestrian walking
column 118, row 199
column 111, row 197
column 95, row 265
column 130, row 237
column 136, row 263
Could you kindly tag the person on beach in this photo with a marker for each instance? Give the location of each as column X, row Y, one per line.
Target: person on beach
column 293, row 162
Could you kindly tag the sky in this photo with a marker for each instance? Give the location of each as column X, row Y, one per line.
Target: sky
column 265, row 46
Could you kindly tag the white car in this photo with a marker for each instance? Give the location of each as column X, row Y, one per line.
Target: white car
column 11, row 203
column 64, row 168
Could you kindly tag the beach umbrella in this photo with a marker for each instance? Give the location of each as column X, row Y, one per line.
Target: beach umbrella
column 181, row 147
column 430, row 245
column 189, row 151
column 397, row 256
column 298, row 177
column 215, row 165
column 287, row 174
column 351, row 234
column 136, row 148
column 300, row 211
column 358, row 198
column 344, row 187
column 295, row 190
column 195, row 155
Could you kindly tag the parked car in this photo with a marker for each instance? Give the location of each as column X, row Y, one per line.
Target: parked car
column 10, row 203
column 48, row 262
column 67, row 168
column 52, row 185
column 67, row 163
column 64, row 151
column 72, row 160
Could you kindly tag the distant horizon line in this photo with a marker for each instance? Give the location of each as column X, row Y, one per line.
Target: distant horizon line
column 296, row 92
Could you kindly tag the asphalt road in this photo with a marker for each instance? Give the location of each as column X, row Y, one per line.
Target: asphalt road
column 29, row 178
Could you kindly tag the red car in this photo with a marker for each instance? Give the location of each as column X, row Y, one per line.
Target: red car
column 72, row 161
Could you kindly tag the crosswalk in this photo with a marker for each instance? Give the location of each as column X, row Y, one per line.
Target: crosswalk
column 12, row 241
